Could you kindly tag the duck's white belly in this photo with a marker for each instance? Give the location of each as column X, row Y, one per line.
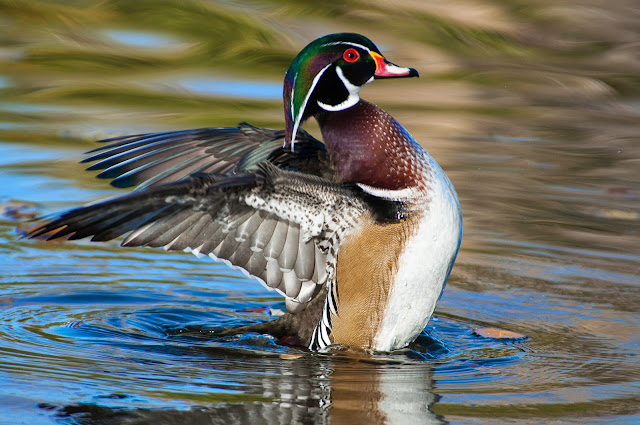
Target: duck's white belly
column 423, row 268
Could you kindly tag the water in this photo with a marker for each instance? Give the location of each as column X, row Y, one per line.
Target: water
column 532, row 108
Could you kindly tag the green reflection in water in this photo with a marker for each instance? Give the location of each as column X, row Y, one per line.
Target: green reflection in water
column 530, row 107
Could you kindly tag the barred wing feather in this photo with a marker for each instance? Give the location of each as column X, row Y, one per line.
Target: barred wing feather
column 145, row 160
column 279, row 226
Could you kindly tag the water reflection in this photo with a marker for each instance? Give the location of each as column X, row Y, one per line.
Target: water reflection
column 382, row 393
column 531, row 109
column 300, row 388
column 234, row 88
column 141, row 39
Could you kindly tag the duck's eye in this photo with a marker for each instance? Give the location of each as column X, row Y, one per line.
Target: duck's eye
column 351, row 55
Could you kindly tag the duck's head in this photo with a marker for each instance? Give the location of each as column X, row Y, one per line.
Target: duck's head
column 328, row 75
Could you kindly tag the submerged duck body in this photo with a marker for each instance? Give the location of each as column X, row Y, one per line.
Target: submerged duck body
column 358, row 233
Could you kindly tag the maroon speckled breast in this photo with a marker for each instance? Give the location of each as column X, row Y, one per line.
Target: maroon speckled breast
column 368, row 146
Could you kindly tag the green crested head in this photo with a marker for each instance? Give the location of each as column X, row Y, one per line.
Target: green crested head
column 328, row 74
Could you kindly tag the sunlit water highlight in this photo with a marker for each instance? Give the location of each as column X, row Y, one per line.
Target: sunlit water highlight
column 533, row 113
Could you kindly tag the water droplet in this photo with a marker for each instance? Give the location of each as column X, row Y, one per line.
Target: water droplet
column 435, row 237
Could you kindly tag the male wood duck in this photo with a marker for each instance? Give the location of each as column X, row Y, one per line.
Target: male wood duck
column 358, row 233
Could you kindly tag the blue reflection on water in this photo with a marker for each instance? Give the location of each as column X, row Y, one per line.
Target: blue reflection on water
column 234, row 88
column 140, row 39
column 32, row 108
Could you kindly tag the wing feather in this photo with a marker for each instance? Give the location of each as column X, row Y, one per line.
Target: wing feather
column 247, row 229
column 305, row 260
column 262, row 236
column 289, row 252
column 146, row 160
column 191, row 235
column 278, row 238
column 272, row 223
column 257, row 262
column 213, row 241
column 274, row 275
column 227, row 248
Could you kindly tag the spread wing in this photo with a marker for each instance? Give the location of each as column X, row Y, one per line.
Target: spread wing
column 145, row 160
column 280, row 226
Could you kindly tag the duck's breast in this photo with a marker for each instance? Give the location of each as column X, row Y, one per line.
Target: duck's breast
column 424, row 265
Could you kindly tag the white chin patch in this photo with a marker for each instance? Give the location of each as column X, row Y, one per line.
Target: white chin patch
column 354, row 94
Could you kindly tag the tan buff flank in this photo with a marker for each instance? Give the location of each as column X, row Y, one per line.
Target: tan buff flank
column 366, row 265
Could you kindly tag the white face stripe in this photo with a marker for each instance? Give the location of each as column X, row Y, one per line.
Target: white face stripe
column 335, row 43
column 353, row 98
column 298, row 118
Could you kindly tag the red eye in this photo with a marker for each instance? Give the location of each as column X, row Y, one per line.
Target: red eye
column 351, row 55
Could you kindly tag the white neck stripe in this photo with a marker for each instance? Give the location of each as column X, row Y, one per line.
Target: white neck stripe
column 396, row 195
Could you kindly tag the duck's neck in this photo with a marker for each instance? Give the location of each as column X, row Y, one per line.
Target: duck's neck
column 368, row 146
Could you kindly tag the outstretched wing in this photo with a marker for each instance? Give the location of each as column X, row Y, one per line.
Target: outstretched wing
column 277, row 225
column 145, row 160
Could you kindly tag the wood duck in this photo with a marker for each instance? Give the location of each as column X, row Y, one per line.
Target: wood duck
column 358, row 233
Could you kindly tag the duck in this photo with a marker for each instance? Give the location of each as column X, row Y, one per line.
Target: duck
column 358, row 232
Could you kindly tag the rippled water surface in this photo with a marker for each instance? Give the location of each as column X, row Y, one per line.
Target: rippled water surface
column 533, row 110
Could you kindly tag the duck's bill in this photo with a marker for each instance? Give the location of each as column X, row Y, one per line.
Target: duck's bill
column 386, row 69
